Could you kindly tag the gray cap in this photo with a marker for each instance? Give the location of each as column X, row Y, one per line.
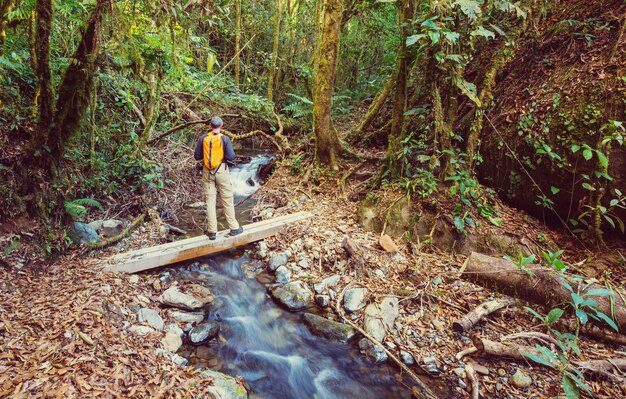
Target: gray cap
column 216, row 121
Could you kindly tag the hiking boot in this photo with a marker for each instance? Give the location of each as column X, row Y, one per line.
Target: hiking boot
column 212, row 236
column 236, row 232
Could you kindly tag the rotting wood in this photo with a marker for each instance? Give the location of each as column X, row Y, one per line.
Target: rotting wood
column 467, row 321
column 536, row 284
column 178, row 251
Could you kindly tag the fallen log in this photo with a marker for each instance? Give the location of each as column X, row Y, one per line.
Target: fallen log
column 607, row 369
column 466, row 322
column 595, row 332
column 536, row 284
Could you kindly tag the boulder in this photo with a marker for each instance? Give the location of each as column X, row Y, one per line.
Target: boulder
column 354, row 299
column 277, row 260
column 151, row 317
column 374, row 353
column 224, row 386
column 204, row 332
column 82, row 233
column 283, row 275
column 172, row 341
column 187, row 317
column 173, row 297
column 97, row 224
column 327, row 328
column 295, row 295
column 112, row 227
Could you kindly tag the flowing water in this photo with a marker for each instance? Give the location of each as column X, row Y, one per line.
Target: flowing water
column 269, row 347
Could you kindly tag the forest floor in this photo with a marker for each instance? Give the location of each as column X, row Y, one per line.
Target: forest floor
column 63, row 330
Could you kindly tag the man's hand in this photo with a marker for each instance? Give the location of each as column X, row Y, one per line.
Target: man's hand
column 198, row 165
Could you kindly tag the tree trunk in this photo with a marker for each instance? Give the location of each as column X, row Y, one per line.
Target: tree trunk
column 93, row 103
column 152, row 108
column 237, row 38
column 44, row 76
column 405, row 57
column 373, row 110
column 73, row 98
column 327, row 146
column 544, row 287
column 272, row 71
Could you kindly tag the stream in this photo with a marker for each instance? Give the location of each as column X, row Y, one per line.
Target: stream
column 269, row 347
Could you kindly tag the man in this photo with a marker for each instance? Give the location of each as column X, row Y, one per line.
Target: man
column 216, row 152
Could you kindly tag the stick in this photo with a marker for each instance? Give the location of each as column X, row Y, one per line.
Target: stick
column 112, row 240
column 467, row 321
column 425, row 393
column 183, row 126
column 471, row 375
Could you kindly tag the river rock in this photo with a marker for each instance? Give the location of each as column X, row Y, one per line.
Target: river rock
column 520, row 379
column 375, row 353
column 224, row 386
column 176, row 359
column 173, row 297
column 328, row 282
column 151, row 317
column 407, row 358
column 201, row 292
column 283, row 275
column 187, row 317
column 171, row 342
column 97, row 224
column 322, row 300
column 327, row 328
column 82, row 233
column 304, row 263
column 277, row 260
column 380, row 317
column 354, row 299
column 112, row 227
column 295, row 295
column 173, row 327
column 204, row 332
column 140, row 330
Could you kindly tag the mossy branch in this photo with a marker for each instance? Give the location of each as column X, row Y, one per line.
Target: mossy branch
column 112, row 240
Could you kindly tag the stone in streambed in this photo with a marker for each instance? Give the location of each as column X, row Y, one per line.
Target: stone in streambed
column 295, row 295
column 112, row 227
column 406, row 358
column 283, row 275
column 172, row 341
column 380, row 317
column 322, row 300
column 224, row 386
column 373, row 352
column 204, row 332
column 187, row 317
column 327, row 328
column 82, row 233
column 277, row 260
column 150, row 317
column 354, row 299
column 328, row 282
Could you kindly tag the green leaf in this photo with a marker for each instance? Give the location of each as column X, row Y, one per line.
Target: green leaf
column 538, row 359
column 533, row 312
column 452, row 37
column 471, row 8
column 588, row 186
column 467, row 88
column 554, row 190
column 602, row 159
column 411, row 40
column 582, row 316
column 599, row 292
column 481, row 31
column 587, row 154
column 570, row 388
column 575, row 148
column 554, row 315
column 459, row 223
column 608, row 320
column 548, row 354
column 434, row 36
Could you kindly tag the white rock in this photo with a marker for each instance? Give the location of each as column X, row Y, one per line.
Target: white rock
column 175, row 329
column 150, row 316
column 171, row 342
column 187, row 317
column 354, row 299
column 133, row 279
column 140, row 330
column 277, row 260
column 112, row 227
column 283, row 275
column 173, row 297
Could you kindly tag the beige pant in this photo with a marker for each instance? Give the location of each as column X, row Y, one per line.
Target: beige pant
column 214, row 183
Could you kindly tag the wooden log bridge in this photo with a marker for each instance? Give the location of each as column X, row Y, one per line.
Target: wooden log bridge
column 190, row 248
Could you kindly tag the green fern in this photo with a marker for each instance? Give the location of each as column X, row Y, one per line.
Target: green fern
column 302, row 107
column 78, row 208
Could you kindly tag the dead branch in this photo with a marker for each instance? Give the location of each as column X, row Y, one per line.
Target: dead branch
column 467, row 321
column 112, row 240
column 471, row 375
column 185, row 125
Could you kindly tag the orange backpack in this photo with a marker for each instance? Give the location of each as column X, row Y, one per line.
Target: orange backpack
column 213, row 151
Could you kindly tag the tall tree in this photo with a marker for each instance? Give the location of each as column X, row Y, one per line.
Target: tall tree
column 237, row 39
column 42, row 60
column 327, row 145
column 405, row 57
column 272, row 71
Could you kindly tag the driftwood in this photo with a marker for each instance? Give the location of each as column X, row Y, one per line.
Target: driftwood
column 471, row 375
column 110, row 241
column 607, row 369
column 467, row 321
column 174, row 230
column 537, row 284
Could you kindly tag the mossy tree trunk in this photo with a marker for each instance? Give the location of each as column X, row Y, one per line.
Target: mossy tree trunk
column 44, row 76
column 274, row 60
column 373, row 110
column 405, row 58
column 237, row 39
column 152, row 108
column 327, row 145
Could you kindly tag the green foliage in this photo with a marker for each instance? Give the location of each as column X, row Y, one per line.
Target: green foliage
column 522, row 261
column 295, row 163
column 301, row 107
column 77, row 209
